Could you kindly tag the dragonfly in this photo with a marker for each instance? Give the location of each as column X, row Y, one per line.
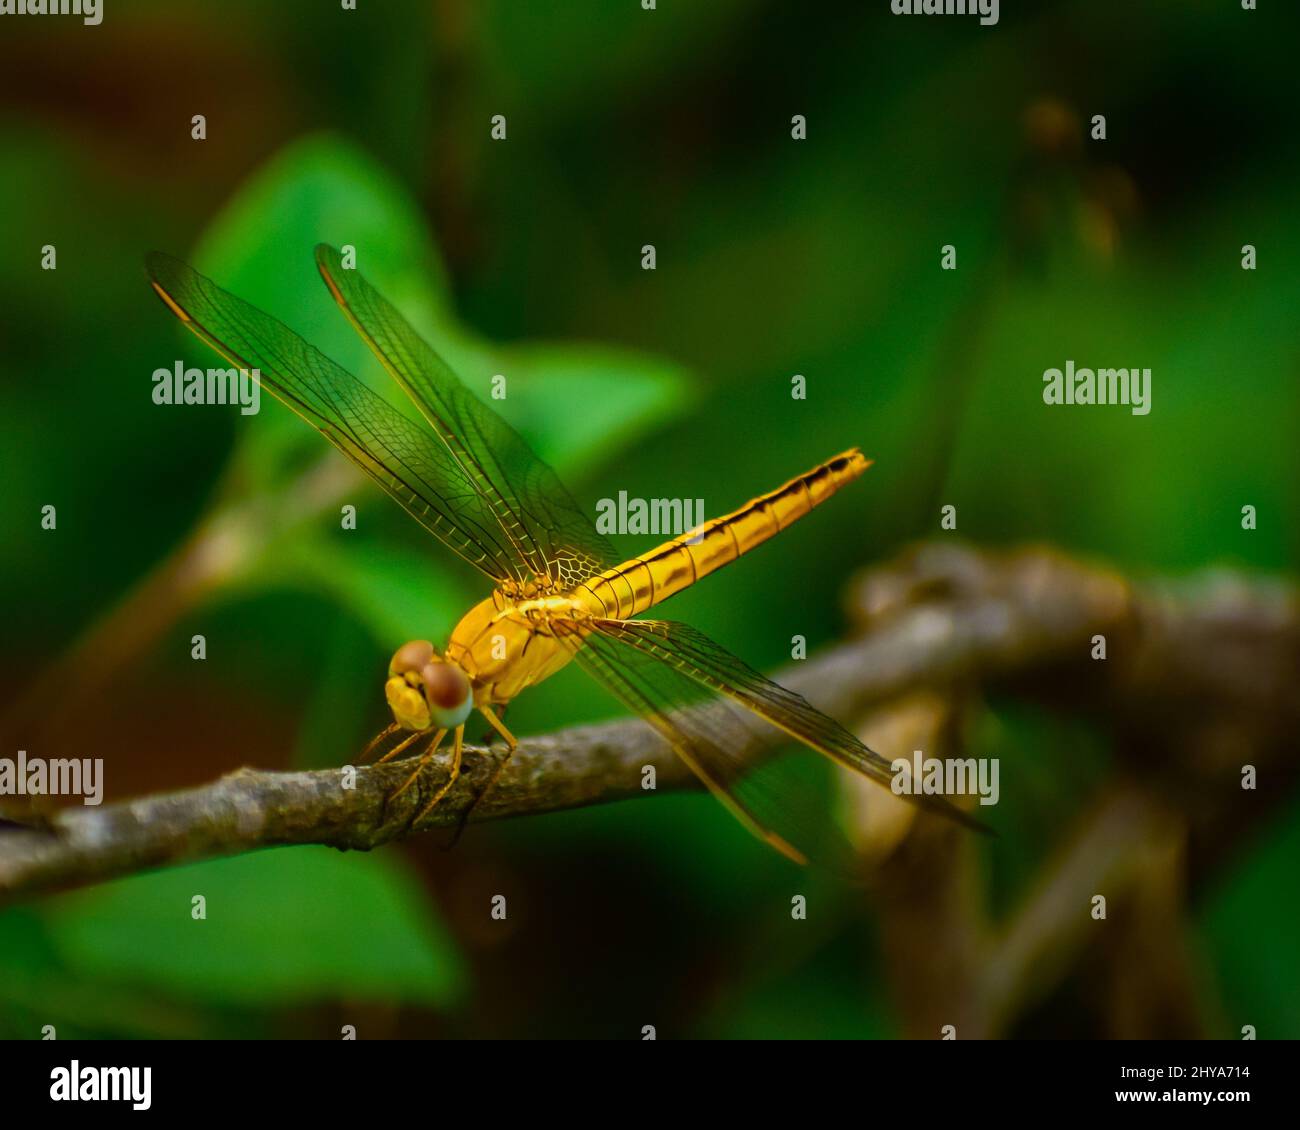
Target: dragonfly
column 561, row 593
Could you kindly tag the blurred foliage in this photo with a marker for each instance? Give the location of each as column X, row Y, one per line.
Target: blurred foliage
column 278, row 927
column 1252, row 928
column 774, row 258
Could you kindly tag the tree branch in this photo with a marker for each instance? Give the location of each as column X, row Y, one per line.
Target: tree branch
column 942, row 616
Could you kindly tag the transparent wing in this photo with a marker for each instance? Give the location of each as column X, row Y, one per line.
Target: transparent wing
column 672, row 675
column 544, row 524
column 414, row 466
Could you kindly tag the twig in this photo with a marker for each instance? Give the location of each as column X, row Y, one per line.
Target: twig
column 343, row 808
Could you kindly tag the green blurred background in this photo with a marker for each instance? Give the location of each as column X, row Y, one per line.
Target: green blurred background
column 523, row 257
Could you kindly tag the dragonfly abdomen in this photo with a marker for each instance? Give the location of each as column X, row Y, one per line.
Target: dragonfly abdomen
column 642, row 582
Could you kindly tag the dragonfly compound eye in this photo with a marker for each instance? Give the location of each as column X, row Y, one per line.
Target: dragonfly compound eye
column 449, row 694
column 410, row 658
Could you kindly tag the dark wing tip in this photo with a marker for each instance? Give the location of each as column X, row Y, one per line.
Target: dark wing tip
column 328, row 260
column 166, row 276
column 327, row 256
column 159, row 263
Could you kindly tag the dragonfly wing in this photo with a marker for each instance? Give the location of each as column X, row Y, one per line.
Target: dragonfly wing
column 544, row 524
column 712, row 735
column 673, row 657
column 414, row 467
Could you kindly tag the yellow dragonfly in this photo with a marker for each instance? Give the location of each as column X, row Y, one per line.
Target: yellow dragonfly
column 560, row 591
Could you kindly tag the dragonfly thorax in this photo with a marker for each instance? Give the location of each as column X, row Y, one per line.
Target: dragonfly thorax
column 532, row 589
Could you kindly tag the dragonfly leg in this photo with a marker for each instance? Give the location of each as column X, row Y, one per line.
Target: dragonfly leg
column 398, row 748
column 425, row 758
column 451, row 779
column 511, row 744
column 500, row 727
column 379, row 737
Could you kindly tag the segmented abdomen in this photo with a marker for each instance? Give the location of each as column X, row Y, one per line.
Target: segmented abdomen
column 642, row 582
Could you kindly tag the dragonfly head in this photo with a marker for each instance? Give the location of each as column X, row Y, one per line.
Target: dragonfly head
column 426, row 690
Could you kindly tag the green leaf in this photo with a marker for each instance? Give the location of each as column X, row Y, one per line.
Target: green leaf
column 283, row 926
column 397, row 593
column 579, row 404
column 319, row 189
